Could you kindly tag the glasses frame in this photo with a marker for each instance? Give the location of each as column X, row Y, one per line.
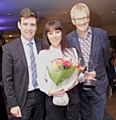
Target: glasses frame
column 81, row 19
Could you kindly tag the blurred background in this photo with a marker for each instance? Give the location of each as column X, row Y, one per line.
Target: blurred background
column 103, row 15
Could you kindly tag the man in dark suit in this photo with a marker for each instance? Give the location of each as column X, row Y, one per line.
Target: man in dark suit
column 24, row 98
column 112, row 75
column 91, row 44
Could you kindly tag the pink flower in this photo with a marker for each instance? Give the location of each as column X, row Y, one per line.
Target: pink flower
column 67, row 63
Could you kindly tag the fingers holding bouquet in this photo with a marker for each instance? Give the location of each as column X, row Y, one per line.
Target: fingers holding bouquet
column 57, row 91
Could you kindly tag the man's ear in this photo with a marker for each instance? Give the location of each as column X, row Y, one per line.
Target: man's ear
column 73, row 22
column 18, row 24
column 89, row 19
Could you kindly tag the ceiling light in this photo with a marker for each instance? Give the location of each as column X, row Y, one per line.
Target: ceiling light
column 65, row 13
column 10, row 35
column 6, row 41
column 9, row 14
column 114, row 11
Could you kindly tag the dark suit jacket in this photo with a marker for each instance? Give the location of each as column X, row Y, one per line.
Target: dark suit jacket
column 15, row 72
column 111, row 76
column 99, row 55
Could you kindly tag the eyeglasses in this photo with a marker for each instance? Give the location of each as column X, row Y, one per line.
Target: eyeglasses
column 79, row 19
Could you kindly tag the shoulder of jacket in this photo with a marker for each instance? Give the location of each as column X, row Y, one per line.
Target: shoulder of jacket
column 13, row 42
column 71, row 33
column 38, row 40
column 98, row 30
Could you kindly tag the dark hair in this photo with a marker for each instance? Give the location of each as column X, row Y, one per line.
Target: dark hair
column 27, row 13
column 54, row 25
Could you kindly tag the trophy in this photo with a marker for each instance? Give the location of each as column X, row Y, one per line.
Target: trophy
column 90, row 84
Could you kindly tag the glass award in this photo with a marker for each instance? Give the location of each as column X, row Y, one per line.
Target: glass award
column 90, row 84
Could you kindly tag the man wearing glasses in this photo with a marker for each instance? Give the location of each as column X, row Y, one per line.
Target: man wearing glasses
column 91, row 44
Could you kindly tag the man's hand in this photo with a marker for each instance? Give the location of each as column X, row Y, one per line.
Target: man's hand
column 15, row 111
column 90, row 75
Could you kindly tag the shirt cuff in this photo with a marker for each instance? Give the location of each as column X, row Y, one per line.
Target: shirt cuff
column 81, row 78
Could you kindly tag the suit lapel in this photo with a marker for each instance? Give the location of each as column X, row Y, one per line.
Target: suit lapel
column 94, row 45
column 22, row 53
column 94, row 48
column 38, row 46
column 77, row 46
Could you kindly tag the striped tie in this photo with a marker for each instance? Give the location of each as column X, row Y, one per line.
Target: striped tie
column 33, row 65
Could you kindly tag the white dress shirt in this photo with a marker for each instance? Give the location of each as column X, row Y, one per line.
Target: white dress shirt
column 27, row 54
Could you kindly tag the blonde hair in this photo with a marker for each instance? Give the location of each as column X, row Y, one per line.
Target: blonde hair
column 78, row 8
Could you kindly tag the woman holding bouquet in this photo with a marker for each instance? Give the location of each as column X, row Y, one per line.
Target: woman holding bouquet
column 57, row 74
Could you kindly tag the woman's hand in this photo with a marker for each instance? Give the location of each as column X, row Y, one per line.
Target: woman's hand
column 90, row 75
column 57, row 92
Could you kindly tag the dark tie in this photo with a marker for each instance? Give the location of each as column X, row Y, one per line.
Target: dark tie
column 33, row 65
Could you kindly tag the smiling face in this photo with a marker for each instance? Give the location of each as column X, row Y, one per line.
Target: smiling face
column 28, row 27
column 55, row 37
column 81, row 21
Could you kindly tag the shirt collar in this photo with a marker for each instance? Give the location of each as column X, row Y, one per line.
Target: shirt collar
column 89, row 32
column 26, row 41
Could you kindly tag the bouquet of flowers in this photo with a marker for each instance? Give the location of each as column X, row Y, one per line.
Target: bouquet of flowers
column 61, row 72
